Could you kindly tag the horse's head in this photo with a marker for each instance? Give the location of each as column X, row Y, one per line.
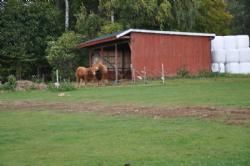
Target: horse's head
column 93, row 70
column 96, row 67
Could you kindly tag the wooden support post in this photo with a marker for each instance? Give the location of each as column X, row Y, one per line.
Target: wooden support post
column 132, row 73
column 116, row 64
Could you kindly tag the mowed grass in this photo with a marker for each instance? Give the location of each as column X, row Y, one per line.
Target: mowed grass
column 225, row 92
column 48, row 137
column 53, row 137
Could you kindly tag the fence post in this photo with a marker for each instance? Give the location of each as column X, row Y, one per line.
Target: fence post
column 144, row 75
column 57, row 79
column 162, row 74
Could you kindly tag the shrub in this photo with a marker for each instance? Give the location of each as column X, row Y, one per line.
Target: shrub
column 34, row 78
column 183, row 73
column 64, row 86
column 206, row 74
column 10, row 84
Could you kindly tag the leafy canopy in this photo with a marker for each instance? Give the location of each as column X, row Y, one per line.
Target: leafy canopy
column 25, row 28
column 62, row 56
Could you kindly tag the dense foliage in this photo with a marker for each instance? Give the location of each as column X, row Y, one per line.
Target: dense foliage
column 61, row 55
column 10, row 84
column 29, row 27
column 240, row 10
column 25, row 29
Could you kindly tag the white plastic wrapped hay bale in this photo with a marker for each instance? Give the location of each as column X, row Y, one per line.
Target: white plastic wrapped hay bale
column 242, row 41
column 232, row 55
column 215, row 67
column 233, row 68
column 245, row 68
column 219, row 56
column 218, row 67
column 218, row 43
column 221, row 68
column 230, row 42
column 244, row 55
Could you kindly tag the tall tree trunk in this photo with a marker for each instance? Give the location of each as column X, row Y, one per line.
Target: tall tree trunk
column 112, row 16
column 66, row 15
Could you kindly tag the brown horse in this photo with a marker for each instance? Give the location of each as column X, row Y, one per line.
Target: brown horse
column 83, row 73
column 101, row 72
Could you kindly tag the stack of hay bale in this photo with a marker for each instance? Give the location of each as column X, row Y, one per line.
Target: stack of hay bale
column 231, row 54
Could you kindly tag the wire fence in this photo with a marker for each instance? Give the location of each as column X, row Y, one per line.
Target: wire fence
column 146, row 75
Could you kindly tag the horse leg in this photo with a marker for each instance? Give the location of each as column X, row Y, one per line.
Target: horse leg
column 100, row 81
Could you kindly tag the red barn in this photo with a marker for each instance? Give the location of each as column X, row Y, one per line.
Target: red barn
column 151, row 51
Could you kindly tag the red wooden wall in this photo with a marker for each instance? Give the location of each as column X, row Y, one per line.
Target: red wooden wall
column 175, row 52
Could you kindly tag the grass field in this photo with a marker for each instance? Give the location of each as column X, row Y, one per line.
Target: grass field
column 48, row 136
column 54, row 138
column 228, row 92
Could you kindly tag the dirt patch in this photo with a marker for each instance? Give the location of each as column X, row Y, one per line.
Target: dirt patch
column 228, row 115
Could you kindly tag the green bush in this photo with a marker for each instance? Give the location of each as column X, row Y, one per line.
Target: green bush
column 64, row 86
column 183, row 73
column 36, row 79
column 10, row 84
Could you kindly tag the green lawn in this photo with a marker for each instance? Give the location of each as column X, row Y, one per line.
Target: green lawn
column 59, row 138
column 51, row 137
column 226, row 92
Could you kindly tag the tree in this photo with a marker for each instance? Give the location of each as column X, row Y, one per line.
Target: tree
column 241, row 16
column 110, row 28
column 91, row 6
column 66, row 15
column 145, row 14
column 62, row 54
column 25, row 27
column 87, row 25
column 247, row 16
column 164, row 16
column 184, row 15
column 213, row 17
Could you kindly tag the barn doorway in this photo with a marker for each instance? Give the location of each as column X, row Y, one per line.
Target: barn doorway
column 106, row 54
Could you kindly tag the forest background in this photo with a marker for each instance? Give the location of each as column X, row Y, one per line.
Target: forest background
column 39, row 36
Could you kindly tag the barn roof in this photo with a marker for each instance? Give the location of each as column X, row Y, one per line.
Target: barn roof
column 120, row 35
